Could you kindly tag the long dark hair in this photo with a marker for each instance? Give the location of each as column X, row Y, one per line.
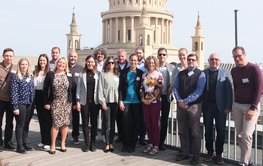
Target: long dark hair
column 94, row 70
column 38, row 68
column 106, row 65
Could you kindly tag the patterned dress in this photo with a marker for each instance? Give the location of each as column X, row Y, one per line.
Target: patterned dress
column 60, row 107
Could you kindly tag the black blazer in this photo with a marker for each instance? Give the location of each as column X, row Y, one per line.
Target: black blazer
column 123, row 85
column 48, row 95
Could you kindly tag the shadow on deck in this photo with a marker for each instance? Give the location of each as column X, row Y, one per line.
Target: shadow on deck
column 75, row 157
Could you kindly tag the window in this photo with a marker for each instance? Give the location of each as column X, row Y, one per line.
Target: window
column 69, row 44
column 154, row 36
column 129, row 35
column 119, row 35
column 196, row 46
column 148, row 40
column 76, row 44
column 140, row 40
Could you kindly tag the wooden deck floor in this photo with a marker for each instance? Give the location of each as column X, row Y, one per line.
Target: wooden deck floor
column 75, row 157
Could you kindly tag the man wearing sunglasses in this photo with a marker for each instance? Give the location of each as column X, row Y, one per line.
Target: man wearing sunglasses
column 217, row 104
column 188, row 89
column 166, row 69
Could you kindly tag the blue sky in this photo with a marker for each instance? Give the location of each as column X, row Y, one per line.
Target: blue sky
column 32, row 27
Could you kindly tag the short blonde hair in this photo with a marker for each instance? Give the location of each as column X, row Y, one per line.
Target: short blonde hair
column 19, row 74
column 66, row 63
column 148, row 59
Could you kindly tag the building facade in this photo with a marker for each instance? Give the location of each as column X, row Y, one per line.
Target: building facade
column 132, row 23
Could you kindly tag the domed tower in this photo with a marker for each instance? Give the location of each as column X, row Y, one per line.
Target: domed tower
column 132, row 23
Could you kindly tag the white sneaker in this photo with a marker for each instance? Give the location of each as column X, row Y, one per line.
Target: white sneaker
column 46, row 147
column 40, row 145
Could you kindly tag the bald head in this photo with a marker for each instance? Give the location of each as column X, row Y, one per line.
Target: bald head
column 214, row 61
column 72, row 58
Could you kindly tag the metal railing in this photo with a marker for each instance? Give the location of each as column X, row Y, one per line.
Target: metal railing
column 231, row 149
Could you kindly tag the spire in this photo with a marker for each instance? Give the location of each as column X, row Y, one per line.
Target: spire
column 198, row 29
column 73, row 25
column 198, row 20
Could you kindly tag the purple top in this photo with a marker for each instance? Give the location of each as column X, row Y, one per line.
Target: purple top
column 248, row 84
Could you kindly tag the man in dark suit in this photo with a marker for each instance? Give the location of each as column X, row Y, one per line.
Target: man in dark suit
column 217, row 104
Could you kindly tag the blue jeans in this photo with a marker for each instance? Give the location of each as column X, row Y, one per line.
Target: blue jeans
column 210, row 113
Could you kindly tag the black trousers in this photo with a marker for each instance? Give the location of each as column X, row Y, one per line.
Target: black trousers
column 22, row 124
column 5, row 107
column 165, row 110
column 119, row 123
column 210, row 113
column 109, row 117
column 90, row 112
column 44, row 118
column 75, row 123
column 131, row 124
column 142, row 130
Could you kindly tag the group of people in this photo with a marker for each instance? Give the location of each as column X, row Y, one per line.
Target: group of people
column 211, row 92
column 136, row 93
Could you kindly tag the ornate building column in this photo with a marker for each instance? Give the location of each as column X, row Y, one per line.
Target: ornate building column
column 110, row 31
column 132, row 30
column 123, row 29
column 116, row 29
column 170, row 32
column 167, row 32
column 156, row 32
column 104, row 30
column 162, row 36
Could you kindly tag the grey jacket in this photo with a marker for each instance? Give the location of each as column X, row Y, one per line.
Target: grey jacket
column 170, row 68
column 81, row 94
column 224, row 93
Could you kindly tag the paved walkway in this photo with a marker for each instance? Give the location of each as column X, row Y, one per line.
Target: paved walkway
column 75, row 157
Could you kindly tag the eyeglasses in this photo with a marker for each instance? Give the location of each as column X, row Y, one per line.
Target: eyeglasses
column 189, row 60
column 111, row 63
column 213, row 59
column 161, row 54
column 237, row 56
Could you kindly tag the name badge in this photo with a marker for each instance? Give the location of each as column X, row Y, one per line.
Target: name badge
column 95, row 76
column 69, row 74
column 190, row 73
column 28, row 79
column 13, row 71
column 138, row 78
column 245, row 80
column 116, row 79
column 76, row 74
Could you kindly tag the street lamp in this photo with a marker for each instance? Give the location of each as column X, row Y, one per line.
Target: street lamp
column 236, row 42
